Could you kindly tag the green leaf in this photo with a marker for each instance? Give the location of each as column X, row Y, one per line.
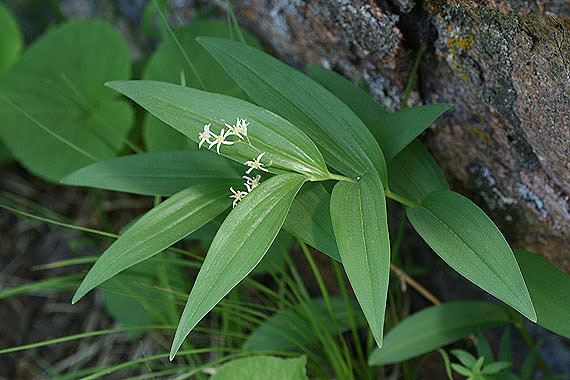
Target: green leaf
column 263, row 368
column 187, row 110
column 346, row 143
column 159, row 173
column 157, row 230
column 446, row 363
column 5, row 155
column 496, row 367
column 549, row 289
column 11, row 40
column 359, row 220
column 170, row 64
column 310, row 219
column 527, row 368
column 294, row 327
column 464, row 357
column 393, row 130
column 435, row 327
column 484, row 348
column 468, row 241
column 241, row 242
column 414, row 174
column 53, row 99
column 505, row 353
column 461, row 370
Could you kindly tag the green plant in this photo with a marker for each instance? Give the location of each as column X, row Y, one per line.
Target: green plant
column 485, row 367
column 321, row 163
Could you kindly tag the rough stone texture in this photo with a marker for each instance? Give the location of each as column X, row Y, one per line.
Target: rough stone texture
column 504, row 64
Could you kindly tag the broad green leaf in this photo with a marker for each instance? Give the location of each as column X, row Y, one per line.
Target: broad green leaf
column 11, row 40
column 158, row 173
column 414, row 173
column 346, row 143
column 241, row 242
column 170, row 64
column 56, row 114
column 358, row 212
column 468, row 241
column 436, row 326
column 263, row 368
column 295, row 327
column 310, row 219
column 393, row 130
column 549, row 289
column 157, row 230
column 187, row 110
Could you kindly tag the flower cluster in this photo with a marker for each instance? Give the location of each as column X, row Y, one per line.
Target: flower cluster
column 239, row 130
column 250, row 182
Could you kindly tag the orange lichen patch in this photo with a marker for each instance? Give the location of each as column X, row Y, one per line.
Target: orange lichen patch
column 458, row 44
column 249, row 13
column 481, row 135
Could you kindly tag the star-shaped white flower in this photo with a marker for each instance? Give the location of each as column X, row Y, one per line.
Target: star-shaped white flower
column 251, row 183
column 219, row 140
column 237, row 196
column 256, row 164
column 206, row 135
column 239, row 129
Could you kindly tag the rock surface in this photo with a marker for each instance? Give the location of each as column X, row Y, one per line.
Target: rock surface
column 504, row 64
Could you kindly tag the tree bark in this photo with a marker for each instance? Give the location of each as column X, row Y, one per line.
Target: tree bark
column 504, row 64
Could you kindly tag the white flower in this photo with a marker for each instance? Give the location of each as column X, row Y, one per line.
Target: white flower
column 256, row 164
column 206, row 135
column 237, row 196
column 219, row 140
column 239, row 129
column 251, row 183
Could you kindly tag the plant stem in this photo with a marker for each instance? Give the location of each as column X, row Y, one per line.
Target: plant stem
column 414, row 284
column 341, row 178
column 400, row 199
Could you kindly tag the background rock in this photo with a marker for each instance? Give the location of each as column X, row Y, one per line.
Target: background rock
column 504, row 64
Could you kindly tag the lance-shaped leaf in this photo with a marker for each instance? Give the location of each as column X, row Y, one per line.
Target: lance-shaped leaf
column 436, row 326
column 358, row 212
column 159, row 173
column 346, row 143
column 298, row 326
column 393, row 130
column 187, row 110
column 468, row 241
column 164, row 225
column 54, row 99
column 310, row 219
column 184, row 59
column 263, row 368
column 414, row 173
column 241, row 242
column 549, row 289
